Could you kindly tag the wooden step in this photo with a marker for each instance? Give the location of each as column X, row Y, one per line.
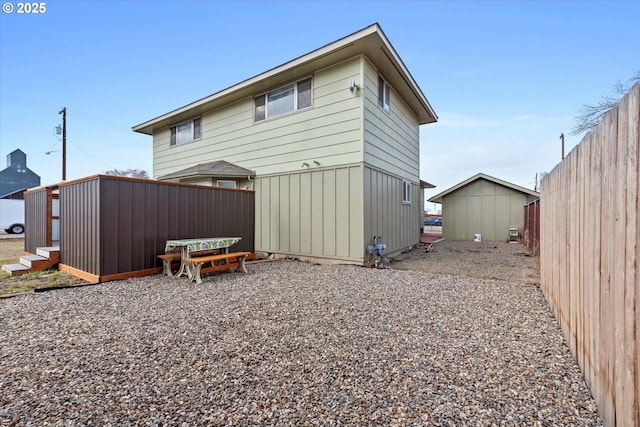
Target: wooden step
column 36, row 262
column 46, row 257
column 51, row 252
column 16, row 269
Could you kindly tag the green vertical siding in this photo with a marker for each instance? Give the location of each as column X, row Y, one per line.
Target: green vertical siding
column 319, row 213
column 482, row 207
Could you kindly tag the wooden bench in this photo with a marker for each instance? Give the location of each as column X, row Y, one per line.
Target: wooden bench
column 167, row 260
column 171, row 257
column 195, row 264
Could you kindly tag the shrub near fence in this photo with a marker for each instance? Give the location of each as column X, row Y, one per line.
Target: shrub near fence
column 589, row 258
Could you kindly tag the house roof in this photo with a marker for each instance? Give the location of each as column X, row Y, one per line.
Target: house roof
column 219, row 168
column 370, row 41
column 438, row 197
column 425, row 184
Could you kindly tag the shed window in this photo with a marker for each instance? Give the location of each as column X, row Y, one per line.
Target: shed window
column 406, row 192
column 287, row 99
column 185, row 132
column 383, row 94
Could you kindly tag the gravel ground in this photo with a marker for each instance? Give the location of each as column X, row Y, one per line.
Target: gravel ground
column 486, row 260
column 293, row 343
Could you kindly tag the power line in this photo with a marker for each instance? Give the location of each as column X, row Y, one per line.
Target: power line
column 105, row 123
column 28, row 103
column 47, row 106
column 86, row 153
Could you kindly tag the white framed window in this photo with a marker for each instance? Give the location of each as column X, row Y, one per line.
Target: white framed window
column 406, row 192
column 185, row 132
column 383, row 94
column 227, row 183
column 283, row 100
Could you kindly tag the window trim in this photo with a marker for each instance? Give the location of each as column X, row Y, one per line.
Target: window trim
column 196, row 131
column 406, row 192
column 218, row 181
column 296, row 98
column 384, row 94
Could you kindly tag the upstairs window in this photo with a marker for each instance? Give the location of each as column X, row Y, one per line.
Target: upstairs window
column 283, row 100
column 406, row 192
column 383, row 94
column 185, row 132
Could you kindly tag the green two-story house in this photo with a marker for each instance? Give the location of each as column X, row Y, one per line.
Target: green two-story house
column 329, row 141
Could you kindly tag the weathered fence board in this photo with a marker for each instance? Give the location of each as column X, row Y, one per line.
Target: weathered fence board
column 589, row 257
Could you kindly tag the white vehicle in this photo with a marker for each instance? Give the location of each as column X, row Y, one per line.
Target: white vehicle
column 12, row 216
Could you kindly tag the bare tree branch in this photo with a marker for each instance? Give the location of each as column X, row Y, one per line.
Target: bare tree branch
column 590, row 116
column 133, row 173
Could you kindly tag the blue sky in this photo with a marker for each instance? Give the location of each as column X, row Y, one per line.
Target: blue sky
column 505, row 78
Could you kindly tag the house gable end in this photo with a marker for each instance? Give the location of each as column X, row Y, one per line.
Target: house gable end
column 370, row 41
column 438, row 198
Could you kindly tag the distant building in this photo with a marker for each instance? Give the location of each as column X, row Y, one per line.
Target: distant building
column 483, row 205
column 17, row 177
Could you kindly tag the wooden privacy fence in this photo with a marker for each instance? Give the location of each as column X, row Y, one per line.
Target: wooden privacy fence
column 589, row 258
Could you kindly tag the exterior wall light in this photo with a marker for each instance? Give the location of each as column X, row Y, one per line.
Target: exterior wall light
column 353, row 87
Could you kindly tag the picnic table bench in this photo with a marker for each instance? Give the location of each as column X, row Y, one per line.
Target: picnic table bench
column 233, row 260
column 167, row 260
column 201, row 255
column 170, row 258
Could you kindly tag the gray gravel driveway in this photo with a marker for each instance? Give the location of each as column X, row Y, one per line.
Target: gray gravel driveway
column 290, row 343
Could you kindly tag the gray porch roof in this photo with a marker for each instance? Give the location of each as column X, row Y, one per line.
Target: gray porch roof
column 425, row 184
column 218, row 168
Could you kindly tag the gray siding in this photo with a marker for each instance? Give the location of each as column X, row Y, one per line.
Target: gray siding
column 386, row 215
column 391, row 139
column 391, row 156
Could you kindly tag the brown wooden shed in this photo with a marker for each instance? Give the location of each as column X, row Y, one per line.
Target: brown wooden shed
column 113, row 227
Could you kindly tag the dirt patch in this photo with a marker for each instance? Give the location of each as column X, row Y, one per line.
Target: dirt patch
column 10, row 252
column 487, row 260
